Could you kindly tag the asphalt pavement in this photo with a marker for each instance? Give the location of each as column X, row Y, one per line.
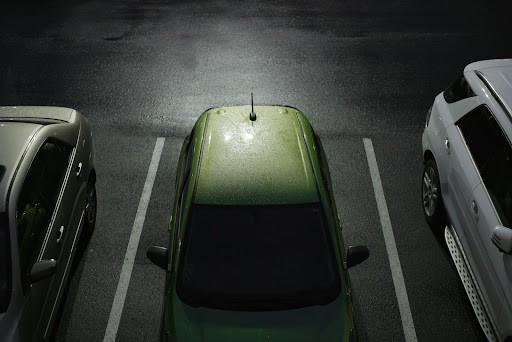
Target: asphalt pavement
column 140, row 70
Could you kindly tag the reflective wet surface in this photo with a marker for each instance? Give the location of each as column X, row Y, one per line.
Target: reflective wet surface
column 358, row 69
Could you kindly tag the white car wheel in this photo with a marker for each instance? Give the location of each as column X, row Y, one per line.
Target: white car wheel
column 433, row 207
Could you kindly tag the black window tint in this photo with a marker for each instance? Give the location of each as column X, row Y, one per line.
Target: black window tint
column 322, row 163
column 493, row 157
column 458, row 90
column 38, row 198
column 187, row 161
column 257, row 258
column 321, row 156
column 5, row 263
column 179, row 219
column 476, row 127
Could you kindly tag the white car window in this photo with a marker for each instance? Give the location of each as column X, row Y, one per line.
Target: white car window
column 492, row 154
column 458, row 90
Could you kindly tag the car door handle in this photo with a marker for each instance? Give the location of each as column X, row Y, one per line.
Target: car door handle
column 447, row 145
column 78, row 169
column 474, row 207
column 60, row 233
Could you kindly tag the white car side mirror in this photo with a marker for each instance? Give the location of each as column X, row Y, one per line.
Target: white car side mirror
column 502, row 238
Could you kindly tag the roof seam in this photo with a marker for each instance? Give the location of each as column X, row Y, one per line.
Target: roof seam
column 493, row 93
column 200, row 156
column 309, row 155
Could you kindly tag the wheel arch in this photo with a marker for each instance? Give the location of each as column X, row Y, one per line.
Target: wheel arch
column 427, row 155
column 92, row 176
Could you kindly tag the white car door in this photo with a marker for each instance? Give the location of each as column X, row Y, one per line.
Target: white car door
column 462, row 175
column 490, row 205
column 496, row 274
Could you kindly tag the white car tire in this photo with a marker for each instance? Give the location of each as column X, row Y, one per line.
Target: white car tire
column 432, row 201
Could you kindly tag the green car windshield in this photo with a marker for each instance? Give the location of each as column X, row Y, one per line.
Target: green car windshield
column 5, row 262
column 257, row 258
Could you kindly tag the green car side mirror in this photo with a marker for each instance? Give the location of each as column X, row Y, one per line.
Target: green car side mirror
column 356, row 255
column 42, row 270
column 158, row 256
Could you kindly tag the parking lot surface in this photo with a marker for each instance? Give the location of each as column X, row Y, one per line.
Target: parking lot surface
column 363, row 72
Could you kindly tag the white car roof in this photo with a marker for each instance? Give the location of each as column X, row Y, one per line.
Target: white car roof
column 491, row 63
column 496, row 74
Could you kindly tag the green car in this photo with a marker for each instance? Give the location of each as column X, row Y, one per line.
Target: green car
column 255, row 250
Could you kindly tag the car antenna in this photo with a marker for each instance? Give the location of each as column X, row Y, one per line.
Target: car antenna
column 252, row 116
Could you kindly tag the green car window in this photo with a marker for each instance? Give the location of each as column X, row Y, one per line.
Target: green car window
column 253, row 258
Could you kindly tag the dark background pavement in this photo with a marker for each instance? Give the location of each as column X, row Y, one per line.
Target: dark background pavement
column 139, row 70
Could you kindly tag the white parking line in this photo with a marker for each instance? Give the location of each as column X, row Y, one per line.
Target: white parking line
column 389, row 239
column 138, row 223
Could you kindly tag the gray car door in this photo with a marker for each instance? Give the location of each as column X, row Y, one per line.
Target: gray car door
column 62, row 241
column 37, row 219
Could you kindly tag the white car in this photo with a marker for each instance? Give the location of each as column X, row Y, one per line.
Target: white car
column 467, row 186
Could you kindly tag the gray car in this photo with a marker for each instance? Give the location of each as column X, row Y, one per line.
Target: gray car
column 47, row 198
column 467, row 186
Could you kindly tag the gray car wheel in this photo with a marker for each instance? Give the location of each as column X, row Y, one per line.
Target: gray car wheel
column 433, row 207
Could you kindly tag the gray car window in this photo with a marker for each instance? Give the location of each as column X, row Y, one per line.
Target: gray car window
column 492, row 154
column 38, row 198
column 5, row 263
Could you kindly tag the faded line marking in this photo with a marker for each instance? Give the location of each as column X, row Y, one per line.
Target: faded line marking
column 389, row 239
column 131, row 251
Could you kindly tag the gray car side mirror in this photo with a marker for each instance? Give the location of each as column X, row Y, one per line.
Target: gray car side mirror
column 158, row 256
column 42, row 270
column 356, row 255
column 502, row 238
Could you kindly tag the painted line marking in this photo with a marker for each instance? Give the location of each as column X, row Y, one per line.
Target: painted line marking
column 389, row 239
column 129, row 258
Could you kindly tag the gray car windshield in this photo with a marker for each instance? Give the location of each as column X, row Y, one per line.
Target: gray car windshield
column 257, row 258
column 5, row 263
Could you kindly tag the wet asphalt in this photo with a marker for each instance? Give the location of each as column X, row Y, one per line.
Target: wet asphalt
column 139, row 70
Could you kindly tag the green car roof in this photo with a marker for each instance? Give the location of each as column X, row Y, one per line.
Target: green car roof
column 265, row 161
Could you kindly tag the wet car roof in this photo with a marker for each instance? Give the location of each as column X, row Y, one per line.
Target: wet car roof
column 255, row 162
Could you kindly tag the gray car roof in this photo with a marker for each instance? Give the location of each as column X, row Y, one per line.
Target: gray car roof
column 36, row 112
column 14, row 139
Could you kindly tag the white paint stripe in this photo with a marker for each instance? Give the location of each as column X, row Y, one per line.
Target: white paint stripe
column 389, row 239
column 126, row 271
